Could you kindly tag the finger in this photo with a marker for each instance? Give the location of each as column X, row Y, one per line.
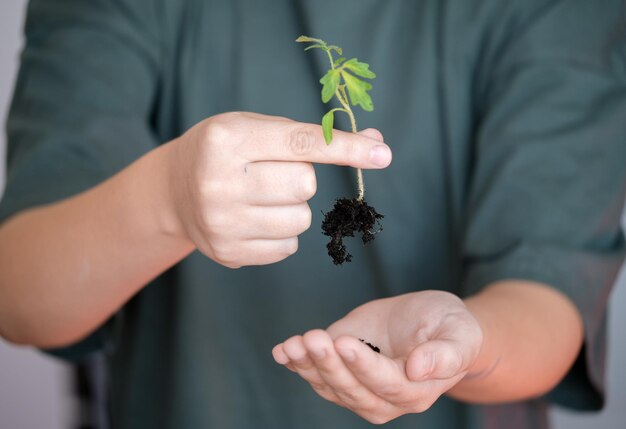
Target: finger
column 372, row 133
column 274, row 222
column 298, row 356
column 380, row 374
column 279, row 183
column 436, row 359
column 256, row 252
column 334, row 372
column 281, row 357
column 295, row 141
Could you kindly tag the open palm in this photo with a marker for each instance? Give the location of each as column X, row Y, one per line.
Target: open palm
column 428, row 340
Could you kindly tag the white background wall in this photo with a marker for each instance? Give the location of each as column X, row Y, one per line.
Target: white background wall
column 34, row 389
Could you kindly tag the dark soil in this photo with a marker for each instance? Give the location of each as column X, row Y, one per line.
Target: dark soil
column 347, row 217
column 373, row 347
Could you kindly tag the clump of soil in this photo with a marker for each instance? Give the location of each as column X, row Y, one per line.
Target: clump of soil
column 347, row 217
column 371, row 346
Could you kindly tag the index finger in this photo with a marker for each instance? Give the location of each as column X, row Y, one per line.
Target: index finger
column 296, row 141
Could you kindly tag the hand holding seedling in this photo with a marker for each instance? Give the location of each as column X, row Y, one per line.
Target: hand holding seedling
column 235, row 186
column 428, row 342
column 241, row 182
column 344, row 82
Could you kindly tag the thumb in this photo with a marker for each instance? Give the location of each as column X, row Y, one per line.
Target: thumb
column 437, row 359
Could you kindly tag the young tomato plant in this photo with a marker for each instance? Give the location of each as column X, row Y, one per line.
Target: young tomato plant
column 343, row 81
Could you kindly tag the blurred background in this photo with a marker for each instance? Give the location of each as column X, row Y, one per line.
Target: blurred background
column 37, row 391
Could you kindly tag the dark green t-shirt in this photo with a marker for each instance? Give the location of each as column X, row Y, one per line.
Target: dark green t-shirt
column 507, row 120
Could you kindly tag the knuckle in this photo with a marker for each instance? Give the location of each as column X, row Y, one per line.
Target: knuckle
column 291, row 246
column 223, row 254
column 221, row 258
column 228, row 261
column 216, row 128
column 285, row 249
column 301, row 141
column 307, row 184
column 305, row 218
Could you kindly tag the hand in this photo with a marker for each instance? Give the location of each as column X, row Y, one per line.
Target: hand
column 241, row 182
column 428, row 341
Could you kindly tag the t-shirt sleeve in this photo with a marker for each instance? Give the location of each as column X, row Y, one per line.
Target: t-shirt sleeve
column 549, row 173
column 82, row 105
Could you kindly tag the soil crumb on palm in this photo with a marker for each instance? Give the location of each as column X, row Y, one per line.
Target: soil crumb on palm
column 371, row 346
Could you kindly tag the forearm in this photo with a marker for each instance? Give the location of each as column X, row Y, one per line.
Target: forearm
column 68, row 266
column 532, row 335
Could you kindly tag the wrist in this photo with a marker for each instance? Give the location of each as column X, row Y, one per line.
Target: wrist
column 163, row 178
column 487, row 359
column 531, row 336
column 480, row 373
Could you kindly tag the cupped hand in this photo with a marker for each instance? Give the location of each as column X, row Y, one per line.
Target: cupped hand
column 428, row 341
column 240, row 182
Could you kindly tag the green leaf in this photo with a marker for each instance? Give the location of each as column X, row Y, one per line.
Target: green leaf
column 339, row 61
column 330, row 81
column 359, row 69
column 357, row 89
column 327, row 125
column 307, row 39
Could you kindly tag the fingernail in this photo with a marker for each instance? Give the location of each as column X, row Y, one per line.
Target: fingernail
column 380, row 156
column 348, row 354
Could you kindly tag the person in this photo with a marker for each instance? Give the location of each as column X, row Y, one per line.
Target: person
column 139, row 178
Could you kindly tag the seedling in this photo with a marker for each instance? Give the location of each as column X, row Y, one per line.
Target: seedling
column 343, row 81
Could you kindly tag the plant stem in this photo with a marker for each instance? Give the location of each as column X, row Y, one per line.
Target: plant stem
column 343, row 99
column 341, row 95
column 330, row 57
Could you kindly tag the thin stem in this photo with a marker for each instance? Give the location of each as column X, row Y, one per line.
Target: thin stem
column 330, row 58
column 343, row 99
column 342, row 88
column 346, row 106
column 341, row 95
